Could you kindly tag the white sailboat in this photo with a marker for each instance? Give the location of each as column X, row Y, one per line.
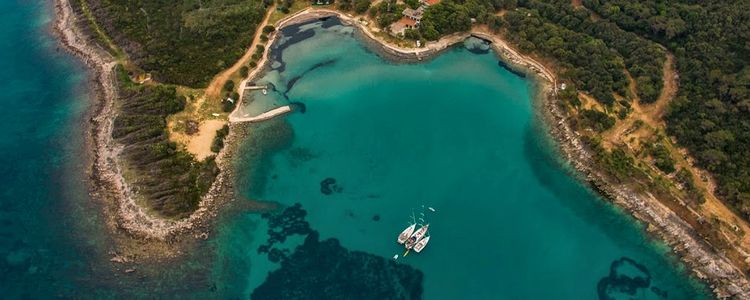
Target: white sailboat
column 421, row 244
column 418, row 239
column 416, row 236
column 406, row 233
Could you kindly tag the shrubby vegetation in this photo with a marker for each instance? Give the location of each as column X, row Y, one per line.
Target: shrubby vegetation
column 616, row 161
column 662, row 158
column 693, row 193
column 218, row 142
column 596, row 120
column 451, row 16
column 184, row 42
column 358, row 6
column 444, row 18
column 711, row 114
column 283, row 5
column 170, row 180
column 386, row 12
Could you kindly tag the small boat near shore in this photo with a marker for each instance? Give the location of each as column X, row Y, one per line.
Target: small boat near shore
column 406, row 234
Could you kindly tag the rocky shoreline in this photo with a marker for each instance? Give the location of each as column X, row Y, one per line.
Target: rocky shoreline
column 707, row 264
column 124, row 216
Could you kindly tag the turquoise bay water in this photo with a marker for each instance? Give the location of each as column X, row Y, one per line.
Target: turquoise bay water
column 457, row 133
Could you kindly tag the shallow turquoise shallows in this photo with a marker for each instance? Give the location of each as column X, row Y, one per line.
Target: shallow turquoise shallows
column 457, row 134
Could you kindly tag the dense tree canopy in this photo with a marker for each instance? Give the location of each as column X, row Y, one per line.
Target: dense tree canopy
column 644, row 59
column 185, row 41
column 444, row 18
column 587, row 61
column 711, row 115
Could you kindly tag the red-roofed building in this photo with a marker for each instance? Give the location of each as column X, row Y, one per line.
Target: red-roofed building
column 430, row 2
column 400, row 26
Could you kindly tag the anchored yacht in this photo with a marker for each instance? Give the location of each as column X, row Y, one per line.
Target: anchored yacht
column 416, row 236
column 421, row 244
column 406, row 233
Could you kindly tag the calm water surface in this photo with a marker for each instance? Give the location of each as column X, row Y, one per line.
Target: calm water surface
column 42, row 246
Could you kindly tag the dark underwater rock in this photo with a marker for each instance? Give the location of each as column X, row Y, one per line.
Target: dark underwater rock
column 477, row 46
column 328, row 186
column 298, row 106
column 618, row 283
column 325, row 270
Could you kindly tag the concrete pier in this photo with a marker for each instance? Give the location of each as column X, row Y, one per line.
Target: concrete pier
column 262, row 117
column 255, row 87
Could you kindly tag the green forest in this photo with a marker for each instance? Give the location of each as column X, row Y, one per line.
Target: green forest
column 711, row 114
column 183, row 42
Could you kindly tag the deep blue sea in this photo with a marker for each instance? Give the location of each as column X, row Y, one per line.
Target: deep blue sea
column 42, row 248
column 370, row 142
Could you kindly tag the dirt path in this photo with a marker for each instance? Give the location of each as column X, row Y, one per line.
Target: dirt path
column 199, row 144
column 650, row 114
column 653, row 114
column 213, row 91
